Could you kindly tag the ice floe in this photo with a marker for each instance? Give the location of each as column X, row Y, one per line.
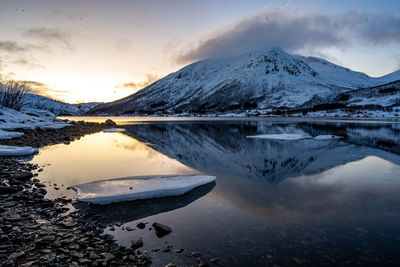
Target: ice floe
column 327, row 137
column 294, row 137
column 284, row 136
column 9, row 135
column 133, row 188
column 114, row 130
column 9, row 151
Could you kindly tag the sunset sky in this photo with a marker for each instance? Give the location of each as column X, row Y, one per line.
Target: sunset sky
column 81, row 50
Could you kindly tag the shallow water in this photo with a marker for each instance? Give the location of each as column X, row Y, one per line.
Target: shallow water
column 318, row 202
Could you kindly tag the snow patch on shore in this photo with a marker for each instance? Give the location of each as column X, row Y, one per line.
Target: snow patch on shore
column 9, row 135
column 133, row 188
column 10, row 151
column 11, row 119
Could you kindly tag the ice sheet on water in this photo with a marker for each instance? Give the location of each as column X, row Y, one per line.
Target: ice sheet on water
column 284, row 136
column 114, row 130
column 9, row 151
column 9, row 135
column 327, row 137
column 133, row 188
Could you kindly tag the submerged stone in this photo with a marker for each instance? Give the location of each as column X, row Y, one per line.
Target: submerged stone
column 161, row 229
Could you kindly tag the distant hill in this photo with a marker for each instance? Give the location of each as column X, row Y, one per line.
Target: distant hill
column 263, row 80
column 55, row 106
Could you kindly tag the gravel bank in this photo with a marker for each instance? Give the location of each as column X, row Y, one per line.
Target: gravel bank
column 35, row 231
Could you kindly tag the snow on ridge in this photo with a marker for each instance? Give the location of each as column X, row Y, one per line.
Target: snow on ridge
column 55, row 106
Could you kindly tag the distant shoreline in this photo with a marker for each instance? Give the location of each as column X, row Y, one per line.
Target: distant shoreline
column 241, row 118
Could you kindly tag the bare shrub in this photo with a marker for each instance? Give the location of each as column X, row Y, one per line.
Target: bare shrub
column 12, row 93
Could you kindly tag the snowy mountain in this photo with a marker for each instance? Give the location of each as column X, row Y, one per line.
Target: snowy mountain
column 56, row 107
column 264, row 80
column 387, row 95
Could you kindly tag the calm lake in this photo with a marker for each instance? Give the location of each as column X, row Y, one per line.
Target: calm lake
column 307, row 202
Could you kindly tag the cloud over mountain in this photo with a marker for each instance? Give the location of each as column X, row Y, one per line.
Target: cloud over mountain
column 295, row 32
column 133, row 87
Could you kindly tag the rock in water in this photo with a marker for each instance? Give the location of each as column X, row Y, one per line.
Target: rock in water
column 161, row 229
column 215, row 260
column 135, row 244
column 110, row 123
column 141, row 225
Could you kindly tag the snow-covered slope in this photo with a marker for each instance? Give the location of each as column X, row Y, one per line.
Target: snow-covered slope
column 338, row 76
column 11, row 119
column 387, row 95
column 56, row 107
column 265, row 79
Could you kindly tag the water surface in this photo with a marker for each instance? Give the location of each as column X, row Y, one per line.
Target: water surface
column 310, row 202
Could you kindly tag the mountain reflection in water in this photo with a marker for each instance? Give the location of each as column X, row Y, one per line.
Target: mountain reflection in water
column 308, row 202
column 312, row 202
column 222, row 147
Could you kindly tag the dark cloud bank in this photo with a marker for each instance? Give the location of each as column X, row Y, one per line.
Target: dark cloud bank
column 294, row 33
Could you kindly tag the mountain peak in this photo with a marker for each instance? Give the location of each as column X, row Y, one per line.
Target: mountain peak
column 265, row 79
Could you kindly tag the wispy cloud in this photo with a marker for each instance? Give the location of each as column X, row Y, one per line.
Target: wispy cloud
column 295, row 32
column 12, row 46
column 133, row 87
column 26, row 63
column 50, row 35
column 38, row 87
column 43, row 89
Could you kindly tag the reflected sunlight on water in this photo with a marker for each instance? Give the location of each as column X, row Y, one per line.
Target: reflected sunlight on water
column 102, row 156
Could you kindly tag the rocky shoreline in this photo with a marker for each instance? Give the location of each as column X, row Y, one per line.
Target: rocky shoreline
column 36, row 231
column 39, row 138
